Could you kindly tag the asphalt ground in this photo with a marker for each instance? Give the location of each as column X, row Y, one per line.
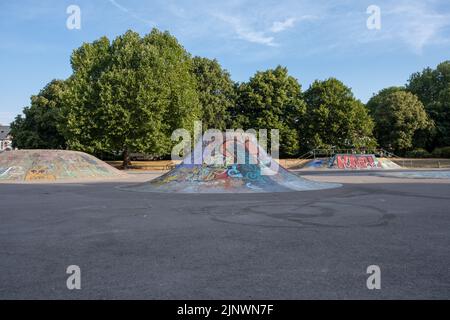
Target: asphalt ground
column 294, row 245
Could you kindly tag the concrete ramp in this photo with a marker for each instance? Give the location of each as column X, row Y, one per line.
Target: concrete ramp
column 52, row 165
column 220, row 171
column 316, row 164
column 354, row 162
column 388, row 164
column 361, row 162
column 350, row 162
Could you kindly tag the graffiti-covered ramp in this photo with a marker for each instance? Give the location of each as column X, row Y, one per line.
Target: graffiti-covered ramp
column 257, row 173
column 52, row 165
column 361, row 162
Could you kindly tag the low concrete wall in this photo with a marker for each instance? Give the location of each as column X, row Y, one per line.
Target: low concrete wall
column 157, row 165
column 168, row 164
column 422, row 163
column 147, row 165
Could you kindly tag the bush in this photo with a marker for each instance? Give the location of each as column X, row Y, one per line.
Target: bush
column 442, row 152
column 418, row 153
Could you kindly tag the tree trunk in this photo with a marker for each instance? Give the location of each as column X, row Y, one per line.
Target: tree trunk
column 126, row 158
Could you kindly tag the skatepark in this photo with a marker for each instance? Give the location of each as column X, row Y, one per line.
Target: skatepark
column 166, row 244
column 239, row 153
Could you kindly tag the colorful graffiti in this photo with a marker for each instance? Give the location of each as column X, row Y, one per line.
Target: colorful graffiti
column 222, row 171
column 239, row 150
column 355, row 161
column 51, row 165
column 317, row 164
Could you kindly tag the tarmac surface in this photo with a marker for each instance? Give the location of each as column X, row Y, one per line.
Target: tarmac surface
column 293, row 245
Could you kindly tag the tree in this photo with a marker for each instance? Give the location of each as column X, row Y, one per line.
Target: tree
column 377, row 98
column 129, row 95
column 216, row 93
column 433, row 89
column 38, row 128
column 271, row 100
column 399, row 116
column 334, row 118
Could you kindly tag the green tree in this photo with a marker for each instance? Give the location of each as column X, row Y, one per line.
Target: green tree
column 377, row 98
column 399, row 116
column 271, row 100
column 334, row 118
column 129, row 95
column 37, row 129
column 216, row 93
column 432, row 86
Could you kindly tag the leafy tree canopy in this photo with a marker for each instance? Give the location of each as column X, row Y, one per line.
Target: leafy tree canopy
column 399, row 116
column 272, row 100
column 432, row 86
column 334, row 118
column 38, row 128
column 216, row 93
column 130, row 94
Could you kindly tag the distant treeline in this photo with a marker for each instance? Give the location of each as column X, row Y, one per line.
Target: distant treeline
column 129, row 94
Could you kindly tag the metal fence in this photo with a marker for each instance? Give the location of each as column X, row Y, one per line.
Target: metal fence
column 331, row 152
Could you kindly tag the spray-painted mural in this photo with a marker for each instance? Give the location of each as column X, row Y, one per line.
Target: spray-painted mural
column 50, row 165
column 317, row 164
column 258, row 173
column 361, row 162
column 355, row 161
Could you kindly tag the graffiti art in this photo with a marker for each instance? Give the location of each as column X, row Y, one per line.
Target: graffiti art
column 51, row 165
column 243, row 167
column 355, row 161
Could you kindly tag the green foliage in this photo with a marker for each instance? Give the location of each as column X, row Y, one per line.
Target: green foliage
column 378, row 99
column 130, row 94
column 271, row 100
column 38, row 129
column 433, row 89
column 216, row 93
column 418, row 153
column 334, row 118
column 399, row 117
column 443, row 152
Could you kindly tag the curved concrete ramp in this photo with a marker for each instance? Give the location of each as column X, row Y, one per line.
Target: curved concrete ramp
column 52, row 165
column 351, row 162
column 246, row 178
column 316, row 164
column 388, row 164
column 361, row 162
column 219, row 170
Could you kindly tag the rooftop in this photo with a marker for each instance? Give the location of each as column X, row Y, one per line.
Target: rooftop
column 4, row 132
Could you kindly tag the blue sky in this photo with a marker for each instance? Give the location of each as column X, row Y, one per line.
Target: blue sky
column 314, row 39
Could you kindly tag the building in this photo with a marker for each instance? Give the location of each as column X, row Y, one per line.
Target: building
column 5, row 138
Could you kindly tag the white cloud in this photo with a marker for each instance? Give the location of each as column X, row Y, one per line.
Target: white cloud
column 412, row 24
column 279, row 26
column 131, row 13
column 417, row 24
column 246, row 33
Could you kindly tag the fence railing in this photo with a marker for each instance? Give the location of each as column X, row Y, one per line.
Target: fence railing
column 423, row 163
column 331, row 152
